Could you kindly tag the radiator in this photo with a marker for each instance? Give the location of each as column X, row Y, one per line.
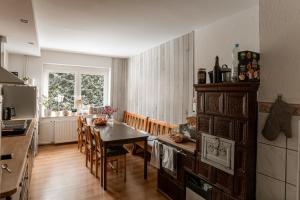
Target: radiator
column 65, row 130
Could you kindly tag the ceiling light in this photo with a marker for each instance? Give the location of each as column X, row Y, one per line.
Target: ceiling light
column 31, row 43
column 25, row 21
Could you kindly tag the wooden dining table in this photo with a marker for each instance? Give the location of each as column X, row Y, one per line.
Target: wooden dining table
column 114, row 134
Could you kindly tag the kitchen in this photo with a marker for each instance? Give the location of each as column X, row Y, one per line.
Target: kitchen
column 149, row 85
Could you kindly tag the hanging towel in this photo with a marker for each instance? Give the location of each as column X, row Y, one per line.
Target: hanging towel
column 168, row 158
column 279, row 120
column 155, row 154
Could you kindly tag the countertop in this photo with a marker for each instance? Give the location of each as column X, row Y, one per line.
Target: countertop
column 188, row 146
column 18, row 146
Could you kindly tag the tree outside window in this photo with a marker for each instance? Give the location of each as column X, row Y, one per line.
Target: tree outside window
column 92, row 89
column 61, row 89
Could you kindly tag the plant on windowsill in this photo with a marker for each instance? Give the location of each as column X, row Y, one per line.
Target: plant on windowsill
column 46, row 104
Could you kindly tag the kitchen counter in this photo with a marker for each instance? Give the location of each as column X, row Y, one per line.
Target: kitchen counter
column 18, row 146
column 188, row 146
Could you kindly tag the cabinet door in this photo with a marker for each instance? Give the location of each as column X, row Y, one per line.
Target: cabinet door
column 224, row 127
column 204, row 123
column 46, row 131
column 200, row 102
column 236, row 104
column 217, row 194
column 169, row 187
column 214, row 103
column 224, row 180
column 203, row 170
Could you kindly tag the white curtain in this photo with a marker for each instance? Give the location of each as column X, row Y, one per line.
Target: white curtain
column 160, row 80
column 118, row 87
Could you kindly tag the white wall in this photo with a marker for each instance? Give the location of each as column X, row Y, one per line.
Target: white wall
column 218, row 38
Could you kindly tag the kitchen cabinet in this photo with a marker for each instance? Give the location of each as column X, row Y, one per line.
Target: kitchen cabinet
column 174, row 186
column 57, row 130
column 46, row 131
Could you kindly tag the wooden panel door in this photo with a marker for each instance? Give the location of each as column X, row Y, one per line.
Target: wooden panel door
column 236, row 104
column 200, row 102
column 214, row 103
column 224, row 127
column 204, row 123
column 224, row 180
column 204, row 170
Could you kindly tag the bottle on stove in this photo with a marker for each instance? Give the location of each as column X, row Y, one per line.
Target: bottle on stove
column 217, row 71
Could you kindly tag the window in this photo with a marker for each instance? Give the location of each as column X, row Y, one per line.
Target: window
column 63, row 85
column 92, row 89
column 61, row 89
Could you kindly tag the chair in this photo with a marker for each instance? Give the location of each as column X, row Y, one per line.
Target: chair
column 140, row 122
column 155, row 128
column 80, row 133
column 89, row 147
column 113, row 155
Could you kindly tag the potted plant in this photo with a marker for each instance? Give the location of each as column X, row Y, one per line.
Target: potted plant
column 46, row 104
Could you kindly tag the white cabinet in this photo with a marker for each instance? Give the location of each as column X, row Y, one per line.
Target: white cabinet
column 46, row 131
column 57, row 130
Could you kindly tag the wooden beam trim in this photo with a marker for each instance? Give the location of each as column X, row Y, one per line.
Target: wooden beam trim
column 265, row 107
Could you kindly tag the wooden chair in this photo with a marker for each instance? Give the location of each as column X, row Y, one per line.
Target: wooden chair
column 155, row 128
column 114, row 155
column 140, row 122
column 89, row 147
column 80, row 133
column 129, row 118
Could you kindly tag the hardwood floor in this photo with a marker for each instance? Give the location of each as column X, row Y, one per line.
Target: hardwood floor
column 59, row 173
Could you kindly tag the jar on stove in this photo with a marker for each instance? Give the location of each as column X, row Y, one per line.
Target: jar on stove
column 201, row 76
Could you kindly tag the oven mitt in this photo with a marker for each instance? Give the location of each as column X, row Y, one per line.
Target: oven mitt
column 279, row 120
column 286, row 118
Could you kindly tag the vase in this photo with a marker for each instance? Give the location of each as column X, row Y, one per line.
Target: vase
column 110, row 119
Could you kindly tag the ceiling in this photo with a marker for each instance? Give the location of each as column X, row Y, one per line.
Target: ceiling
column 21, row 37
column 107, row 27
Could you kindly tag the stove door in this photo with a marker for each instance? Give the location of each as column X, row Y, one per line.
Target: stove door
column 218, row 152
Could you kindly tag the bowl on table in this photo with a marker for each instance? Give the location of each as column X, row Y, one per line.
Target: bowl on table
column 100, row 121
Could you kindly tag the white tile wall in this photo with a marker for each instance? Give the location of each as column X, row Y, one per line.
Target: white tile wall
column 269, row 189
column 292, row 143
column 280, row 140
column 277, row 163
column 271, row 161
column 292, row 166
column 291, row 192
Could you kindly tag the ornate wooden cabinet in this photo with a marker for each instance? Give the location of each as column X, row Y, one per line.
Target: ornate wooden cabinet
column 229, row 110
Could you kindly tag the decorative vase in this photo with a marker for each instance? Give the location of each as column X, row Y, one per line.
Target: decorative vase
column 110, row 118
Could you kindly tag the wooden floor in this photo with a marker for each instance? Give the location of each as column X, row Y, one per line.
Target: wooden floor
column 59, row 173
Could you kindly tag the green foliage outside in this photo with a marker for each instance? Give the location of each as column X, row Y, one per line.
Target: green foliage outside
column 92, row 87
column 61, row 84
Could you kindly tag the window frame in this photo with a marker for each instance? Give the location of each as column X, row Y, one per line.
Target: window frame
column 77, row 71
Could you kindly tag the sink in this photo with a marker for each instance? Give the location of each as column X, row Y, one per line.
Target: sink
column 15, row 127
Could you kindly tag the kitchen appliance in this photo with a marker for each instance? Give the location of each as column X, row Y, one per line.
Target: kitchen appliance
column 226, row 73
column 218, row 152
column 196, row 188
column 15, row 127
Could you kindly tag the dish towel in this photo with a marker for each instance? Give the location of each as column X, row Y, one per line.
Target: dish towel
column 168, row 158
column 155, row 154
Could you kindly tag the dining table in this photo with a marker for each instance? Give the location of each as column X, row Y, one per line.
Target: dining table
column 114, row 134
